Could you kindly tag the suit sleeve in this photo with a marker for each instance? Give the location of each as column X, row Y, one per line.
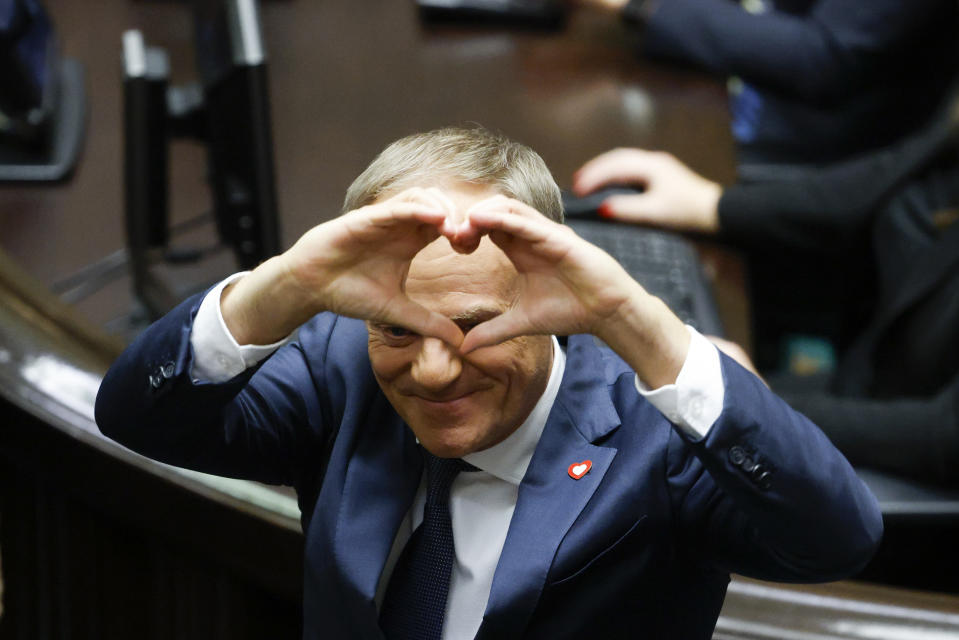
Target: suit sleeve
column 915, row 437
column 765, row 494
column 260, row 425
column 826, row 210
column 825, row 54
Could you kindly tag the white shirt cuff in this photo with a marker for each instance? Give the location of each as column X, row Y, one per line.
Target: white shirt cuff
column 217, row 357
column 695, row 400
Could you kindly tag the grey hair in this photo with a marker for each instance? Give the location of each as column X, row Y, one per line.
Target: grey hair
column 474, row 155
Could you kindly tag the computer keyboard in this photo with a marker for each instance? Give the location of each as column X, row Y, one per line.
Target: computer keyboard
column 664, row 263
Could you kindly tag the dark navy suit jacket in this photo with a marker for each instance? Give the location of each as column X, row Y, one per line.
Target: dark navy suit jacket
column 639, row 547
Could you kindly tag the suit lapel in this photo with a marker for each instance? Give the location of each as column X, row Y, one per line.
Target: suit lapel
column 549, row 500
column 381, row 481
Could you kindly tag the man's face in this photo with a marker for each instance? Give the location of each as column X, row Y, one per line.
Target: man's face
column 458, row 404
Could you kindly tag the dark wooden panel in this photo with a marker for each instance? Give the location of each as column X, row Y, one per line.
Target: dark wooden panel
column 94, row 548
column 98, row 542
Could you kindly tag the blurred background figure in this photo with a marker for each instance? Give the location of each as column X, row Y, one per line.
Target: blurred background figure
column 885, row 227
column 811, row 81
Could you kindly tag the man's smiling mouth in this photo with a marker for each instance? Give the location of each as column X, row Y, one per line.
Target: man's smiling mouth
column 444, row 401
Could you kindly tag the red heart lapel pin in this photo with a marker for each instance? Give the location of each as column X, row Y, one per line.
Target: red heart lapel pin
column 579, row 469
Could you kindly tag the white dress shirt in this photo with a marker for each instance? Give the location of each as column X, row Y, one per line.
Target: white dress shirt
column 481, row 503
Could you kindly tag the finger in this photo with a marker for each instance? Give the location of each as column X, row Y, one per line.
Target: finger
column 628, row 208
column 434, row 194
column 613, row 167
column 517, row 220
column 493, row 216
column 598, row 167
column 455, row 227
column 526, row 228
column 419, row 194
column 466, row 242
column 431, row 201
column 452, row 211
column 405, row 313
column 453, row 221
column 503, row 327
column 499, row 200
column 388, row 215
column 462, row 235
column 505, row 204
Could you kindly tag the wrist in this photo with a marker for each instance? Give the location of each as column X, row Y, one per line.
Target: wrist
column 649, row 337
column 266, row 305
column 707, row 205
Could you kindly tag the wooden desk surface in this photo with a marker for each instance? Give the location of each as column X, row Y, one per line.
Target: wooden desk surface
column 346, row 78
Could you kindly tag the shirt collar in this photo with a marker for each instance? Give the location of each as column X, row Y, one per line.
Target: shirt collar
column 509, row 459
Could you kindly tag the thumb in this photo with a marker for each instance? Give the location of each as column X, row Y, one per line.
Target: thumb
column 640, row 207
column 406, row 313
column 492, row 332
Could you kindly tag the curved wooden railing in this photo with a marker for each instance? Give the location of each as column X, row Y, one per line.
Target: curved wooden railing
column 99, row 542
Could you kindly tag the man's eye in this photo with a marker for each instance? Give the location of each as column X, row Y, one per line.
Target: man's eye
column 396, row 332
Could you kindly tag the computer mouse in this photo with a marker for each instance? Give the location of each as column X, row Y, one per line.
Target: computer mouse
column 588, row 206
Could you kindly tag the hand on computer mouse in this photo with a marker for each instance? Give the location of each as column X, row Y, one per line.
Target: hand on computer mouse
column 674, row 197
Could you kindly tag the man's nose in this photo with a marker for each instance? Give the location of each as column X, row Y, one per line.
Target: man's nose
column 436, row 365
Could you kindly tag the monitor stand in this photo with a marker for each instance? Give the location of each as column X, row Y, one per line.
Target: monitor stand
column 56, row 159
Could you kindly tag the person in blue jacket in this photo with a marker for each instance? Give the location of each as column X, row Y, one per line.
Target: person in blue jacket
column 470, row 461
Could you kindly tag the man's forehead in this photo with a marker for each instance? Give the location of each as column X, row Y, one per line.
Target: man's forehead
column 438, row 269
column 439, row 255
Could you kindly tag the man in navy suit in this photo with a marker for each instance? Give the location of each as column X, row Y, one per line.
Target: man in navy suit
column 616, row 484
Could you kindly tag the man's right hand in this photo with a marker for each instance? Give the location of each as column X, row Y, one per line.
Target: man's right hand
column 674, row 196
column 354, row 265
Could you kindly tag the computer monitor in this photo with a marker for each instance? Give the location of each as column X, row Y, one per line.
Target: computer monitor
column 228, row 111
column 42, row 101
column 27, row 71
column 231, row 61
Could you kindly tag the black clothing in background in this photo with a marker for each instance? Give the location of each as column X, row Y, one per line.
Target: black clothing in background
column 893, row 402
column 822, row 79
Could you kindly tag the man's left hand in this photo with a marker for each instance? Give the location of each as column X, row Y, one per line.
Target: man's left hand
column 567, row 286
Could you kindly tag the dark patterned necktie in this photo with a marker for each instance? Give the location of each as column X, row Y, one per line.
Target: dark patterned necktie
column 415, row 603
